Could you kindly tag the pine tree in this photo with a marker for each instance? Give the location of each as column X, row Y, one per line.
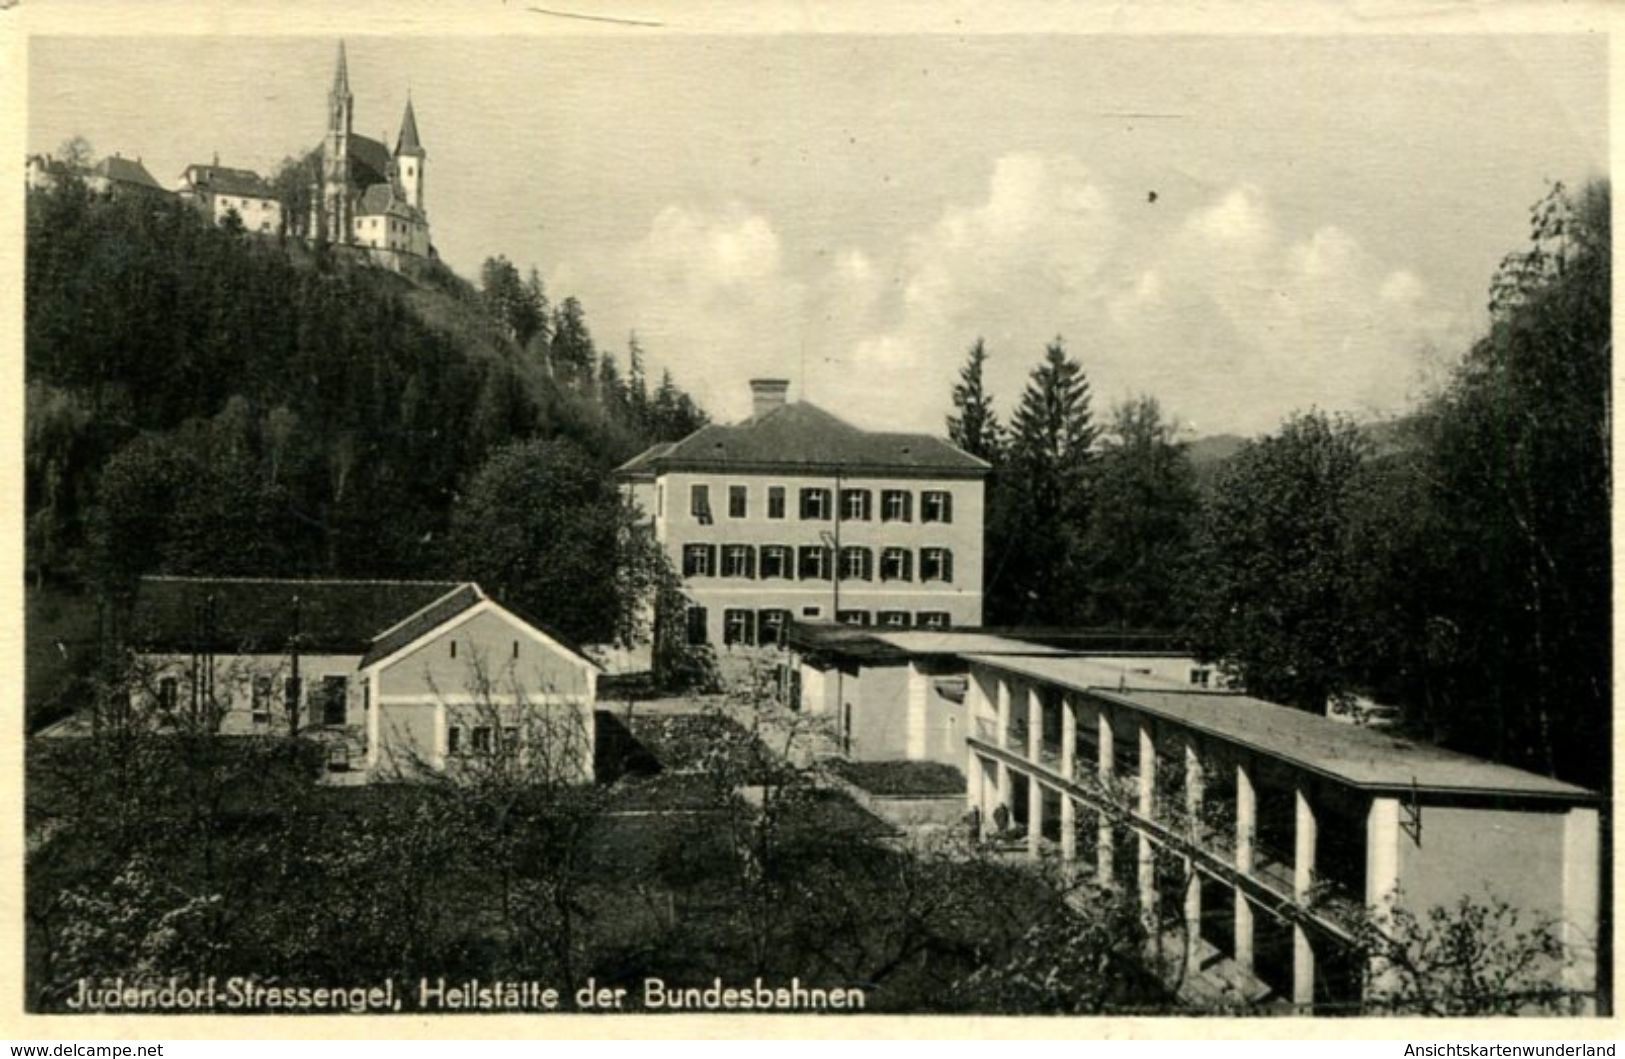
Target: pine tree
column 975, row 428
column 1053, row 432
column 637, row 383
column 573, row 354
column 1040, row 508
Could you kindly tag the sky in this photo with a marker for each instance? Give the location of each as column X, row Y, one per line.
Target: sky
column 1240, row 226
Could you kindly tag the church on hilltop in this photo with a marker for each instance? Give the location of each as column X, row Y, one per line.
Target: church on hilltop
column 366, row 195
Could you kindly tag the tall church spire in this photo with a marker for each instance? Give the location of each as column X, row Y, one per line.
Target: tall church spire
column 341, row 76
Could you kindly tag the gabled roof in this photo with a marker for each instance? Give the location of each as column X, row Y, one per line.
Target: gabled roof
column 642, row 465
column 228, row 181
column 261, row 616
column 803, row 437
column 1367, row 758
column 426, row 620
column 127, row 171
column 407, row 142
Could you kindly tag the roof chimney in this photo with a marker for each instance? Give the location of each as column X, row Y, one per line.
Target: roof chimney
column 766, row 395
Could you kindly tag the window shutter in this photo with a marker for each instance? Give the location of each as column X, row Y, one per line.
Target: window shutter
column 947, row 565
column 947, row 506
column 908, row 507
column 750, row 561
column 711, row 566
column 908, row 562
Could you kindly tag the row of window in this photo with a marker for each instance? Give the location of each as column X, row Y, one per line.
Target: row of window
column 814, row 562
column 857, row 505
column 766, row 627
column 328, row 700
column 480, row 740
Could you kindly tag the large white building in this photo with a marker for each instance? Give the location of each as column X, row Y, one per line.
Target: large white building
column 794, row 514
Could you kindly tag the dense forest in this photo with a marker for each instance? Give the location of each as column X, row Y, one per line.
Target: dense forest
column 1454, row 562
column 201, row 400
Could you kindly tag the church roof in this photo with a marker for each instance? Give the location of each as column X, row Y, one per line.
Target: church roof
column 369, row 161
column 802, row 437
column 381, row 199
column 408, row 143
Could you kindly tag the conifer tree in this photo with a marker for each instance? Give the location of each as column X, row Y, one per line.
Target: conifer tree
column 1041, row 499
column 974, row 427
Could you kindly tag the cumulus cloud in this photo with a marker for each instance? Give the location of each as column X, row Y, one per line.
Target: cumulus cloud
column 708, row 294
column 1222, row 310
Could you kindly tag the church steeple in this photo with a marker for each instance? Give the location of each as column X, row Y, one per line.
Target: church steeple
column 341, row 77
column 407, row 142
column 335, row 208
column 410, row 157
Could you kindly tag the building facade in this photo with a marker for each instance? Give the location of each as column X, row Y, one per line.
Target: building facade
column 901, row 695
column 397, row 677
column 221, row 191
column 796, row 515
column 1254, row 836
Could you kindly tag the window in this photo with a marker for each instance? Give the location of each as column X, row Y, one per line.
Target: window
column 852, row 617
column 699, row 560
column 335, row 693
column 815, row 503
column 936, row 505
column 855, row 504
column 454, row 739
column 811, row 612
column 771, row 624
column 936, row 564
column 695, row 621
column 896, row 564
column 738, row 627
column 931, row 619
column 775, row 501
column 738, row 500
column 510, row 738
column 814, row 562
column 896, row 619
column 660, row 500
column 857, row 564
column 777, row 562
column 480, row 739
column 169, row 693
column 293, row 693
column 896, row 505
column 454, row 648
column 738, row 560
column 260, row 702
column 699, row 503
column 1201, row 676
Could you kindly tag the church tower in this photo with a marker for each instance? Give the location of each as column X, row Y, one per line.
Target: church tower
column 409, row 158
column 336, row 154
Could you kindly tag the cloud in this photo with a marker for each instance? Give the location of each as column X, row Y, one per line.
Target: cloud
column 708, row 294
column 1223, row 311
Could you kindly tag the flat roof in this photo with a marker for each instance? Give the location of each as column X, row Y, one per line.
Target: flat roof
column 1362, row 757
column 948, row 642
